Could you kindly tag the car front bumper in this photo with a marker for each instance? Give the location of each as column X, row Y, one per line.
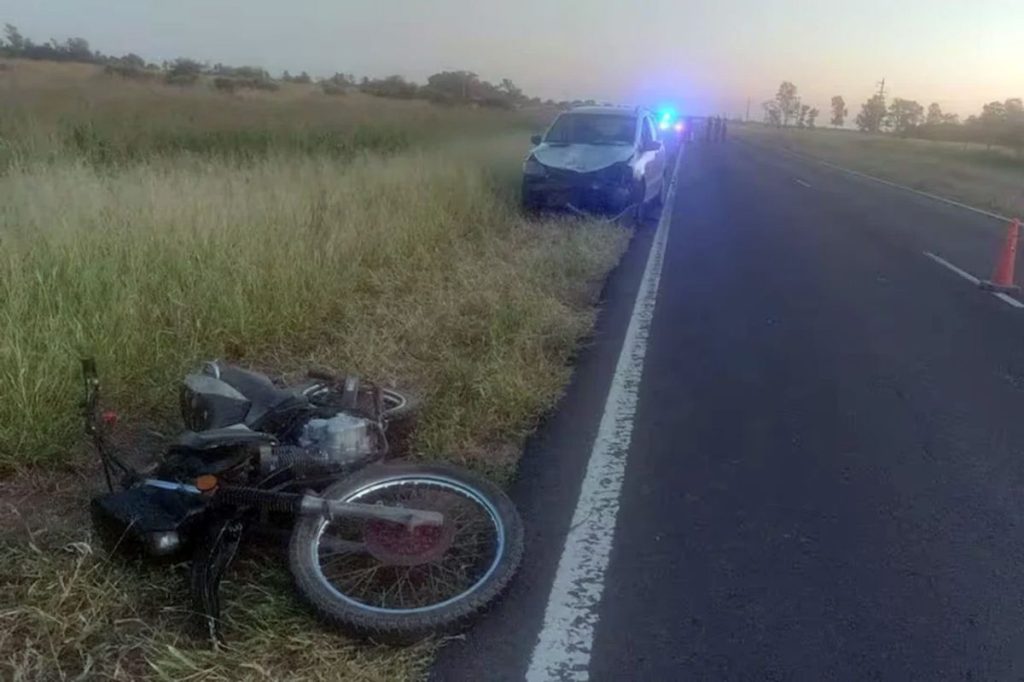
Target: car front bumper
column 584, row 191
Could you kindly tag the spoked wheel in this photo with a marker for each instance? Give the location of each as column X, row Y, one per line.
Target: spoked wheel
column 392, row 582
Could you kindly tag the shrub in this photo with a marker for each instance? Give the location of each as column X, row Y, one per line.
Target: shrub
column 225, row 84
column 130, row 72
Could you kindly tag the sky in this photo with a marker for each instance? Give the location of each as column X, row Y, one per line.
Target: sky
column 703, row 57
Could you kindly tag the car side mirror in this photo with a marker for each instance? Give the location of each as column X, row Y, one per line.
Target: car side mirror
column 651, row 146
column 535, row 139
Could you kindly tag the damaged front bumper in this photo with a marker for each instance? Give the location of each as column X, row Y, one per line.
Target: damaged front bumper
column 605, row 191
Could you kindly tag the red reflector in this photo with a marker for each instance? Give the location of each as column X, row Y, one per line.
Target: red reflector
column 110, row 418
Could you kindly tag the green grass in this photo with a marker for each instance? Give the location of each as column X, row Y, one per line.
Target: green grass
column 992, row 179
column 415, row 269
column 277, row 231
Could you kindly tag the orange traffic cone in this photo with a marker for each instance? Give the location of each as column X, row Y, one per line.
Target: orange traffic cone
column 1002, row 276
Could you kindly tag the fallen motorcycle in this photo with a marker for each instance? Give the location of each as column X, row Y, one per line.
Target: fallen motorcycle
column 395, row 552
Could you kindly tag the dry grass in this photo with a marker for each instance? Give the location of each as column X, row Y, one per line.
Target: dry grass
column 991, row 179
column 71, row 612
column 53, row 111
column 413, row 267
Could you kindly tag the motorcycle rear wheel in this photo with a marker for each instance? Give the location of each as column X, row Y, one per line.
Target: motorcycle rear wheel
column 389, row 583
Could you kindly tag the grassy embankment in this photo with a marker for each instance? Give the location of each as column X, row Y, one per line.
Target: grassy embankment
column 155, row 227
column 992, row 179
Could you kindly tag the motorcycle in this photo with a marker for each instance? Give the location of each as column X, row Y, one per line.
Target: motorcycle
column 393, row 552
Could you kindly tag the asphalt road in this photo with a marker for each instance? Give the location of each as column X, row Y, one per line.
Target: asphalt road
column 825, row 478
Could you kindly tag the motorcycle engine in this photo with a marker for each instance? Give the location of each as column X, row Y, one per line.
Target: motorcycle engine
column 343, row 439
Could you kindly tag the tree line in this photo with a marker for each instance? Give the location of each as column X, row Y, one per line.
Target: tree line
column 999, row 123
column 447, row 87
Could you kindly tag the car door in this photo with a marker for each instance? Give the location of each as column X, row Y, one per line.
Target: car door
column 653, row 160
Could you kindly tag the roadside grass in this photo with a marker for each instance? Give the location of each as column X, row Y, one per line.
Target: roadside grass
column 51, row 112
column 992, row 179
column 70, row 612
column 413, row 267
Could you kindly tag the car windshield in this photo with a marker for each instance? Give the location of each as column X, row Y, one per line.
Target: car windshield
column 592, row 129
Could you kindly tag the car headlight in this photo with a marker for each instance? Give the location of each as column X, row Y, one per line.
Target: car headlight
column 534, row 168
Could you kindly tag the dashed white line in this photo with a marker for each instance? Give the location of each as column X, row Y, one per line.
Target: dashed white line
column 801, row 182
column 566, row 639
column 1005, row 298
column 895, row 185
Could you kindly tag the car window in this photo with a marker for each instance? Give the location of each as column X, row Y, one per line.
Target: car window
column 592, row 129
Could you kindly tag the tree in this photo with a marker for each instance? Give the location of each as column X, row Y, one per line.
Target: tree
column 872, row 115
column 392, row 86
column 772, row 113
column 183, row 71
column 77, row 49
column 1013, row 134
column 133, row 61
column 453, row 86
column 302, row 78
column 992, row 122
column 839, row 111
column 811, row 116
column 15, row 41
column 511, row 90
column 801, row 120
column 935, row 116
column 905, row 115
column 789, row 103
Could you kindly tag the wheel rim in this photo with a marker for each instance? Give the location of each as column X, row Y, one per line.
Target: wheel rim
column 386, row 568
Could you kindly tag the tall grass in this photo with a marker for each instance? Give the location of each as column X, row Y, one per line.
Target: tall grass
column 414, row 268
column 57, row 111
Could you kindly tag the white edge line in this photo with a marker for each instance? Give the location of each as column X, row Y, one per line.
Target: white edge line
column 1005, row 298
column 564, row 644
column 802, row 182
column 1008, row 299
column 946, row 264
column 936, row 197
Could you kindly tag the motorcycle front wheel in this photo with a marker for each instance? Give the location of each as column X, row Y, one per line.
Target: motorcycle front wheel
column 393, row 583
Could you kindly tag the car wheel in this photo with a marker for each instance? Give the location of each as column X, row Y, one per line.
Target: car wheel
column 639, row 205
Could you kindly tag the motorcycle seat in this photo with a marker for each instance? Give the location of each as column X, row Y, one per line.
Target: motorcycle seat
column 266, row 398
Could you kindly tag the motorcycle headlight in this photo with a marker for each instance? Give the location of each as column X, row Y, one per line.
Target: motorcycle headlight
column 534, row 168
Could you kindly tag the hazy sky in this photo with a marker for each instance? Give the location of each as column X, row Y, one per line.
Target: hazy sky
column 708, row 56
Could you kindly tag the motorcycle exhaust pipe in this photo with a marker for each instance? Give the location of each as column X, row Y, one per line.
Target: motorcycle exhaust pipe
column 315, row 505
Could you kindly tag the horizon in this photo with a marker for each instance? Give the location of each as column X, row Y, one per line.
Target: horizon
column 702, row 59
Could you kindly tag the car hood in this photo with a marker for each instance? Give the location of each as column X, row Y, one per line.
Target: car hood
column 582, row 158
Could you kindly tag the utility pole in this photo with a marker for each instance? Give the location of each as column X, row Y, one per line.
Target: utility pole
column 747, row 118
column 881, row 88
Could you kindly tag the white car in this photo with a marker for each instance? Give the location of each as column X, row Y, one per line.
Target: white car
column 600, row 159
